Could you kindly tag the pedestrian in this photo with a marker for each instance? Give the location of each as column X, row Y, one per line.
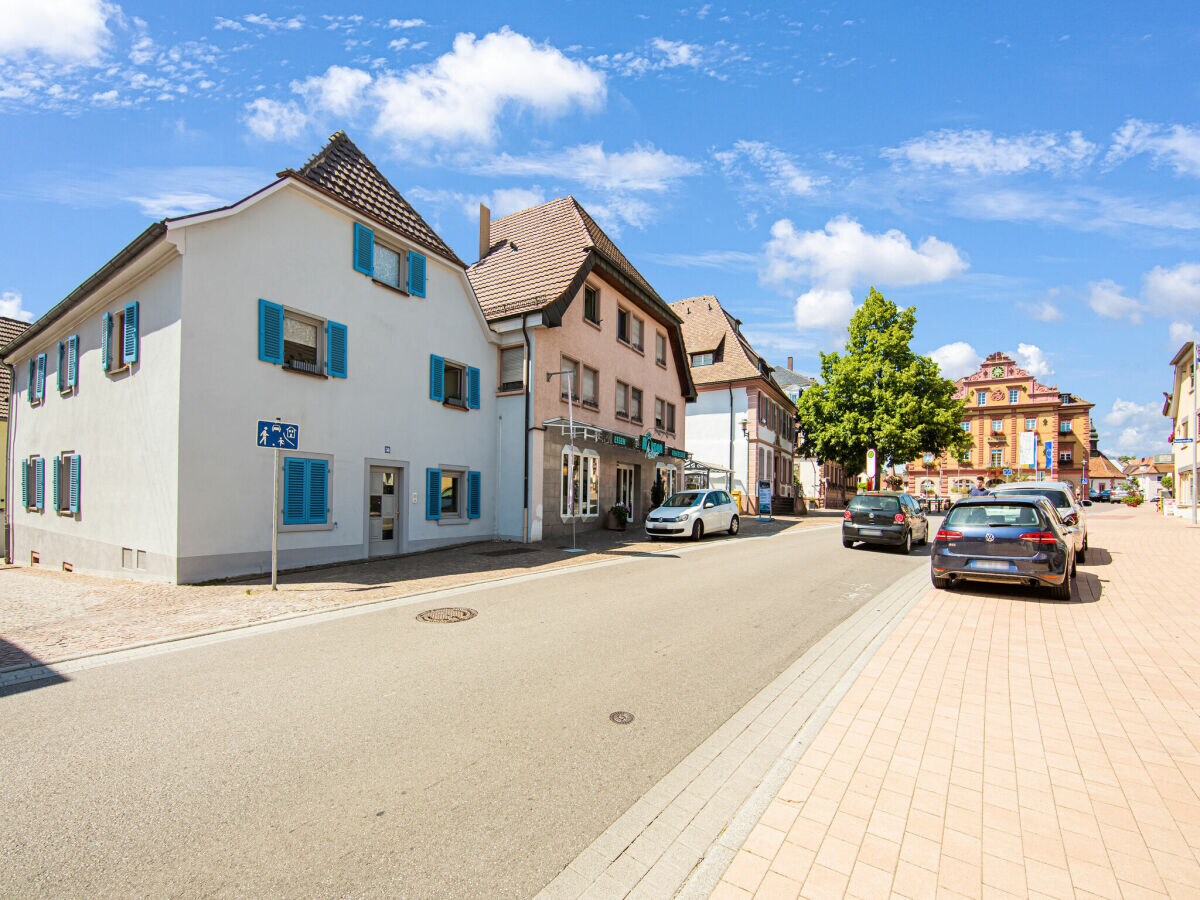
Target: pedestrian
column 979, row 490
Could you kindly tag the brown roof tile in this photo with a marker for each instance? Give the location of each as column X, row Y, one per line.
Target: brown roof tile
column 708, row 327
column 1100, row 466
column 344, row 171
column 10, row 330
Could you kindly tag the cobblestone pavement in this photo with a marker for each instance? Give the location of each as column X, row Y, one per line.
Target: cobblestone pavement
column 1002, row 745
column 48, row 616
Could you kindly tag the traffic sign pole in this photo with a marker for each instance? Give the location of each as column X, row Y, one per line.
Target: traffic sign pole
column 275, row 525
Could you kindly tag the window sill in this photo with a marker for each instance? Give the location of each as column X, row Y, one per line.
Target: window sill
column 123, row 369
column 451, row 404
column 590, row 404
column 595, row 325
column 302, row 372
column 453, row 520
column 511, row 392
column 637, row 421
column 624, row 417
column 662, row 364
column 391, row 287
column 324, row 526
column 640, row 351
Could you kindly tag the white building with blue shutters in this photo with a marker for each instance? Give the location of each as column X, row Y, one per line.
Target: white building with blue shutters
column 322, row 301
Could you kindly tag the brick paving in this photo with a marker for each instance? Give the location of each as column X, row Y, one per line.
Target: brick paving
column 1002, row 745
column 48, row 616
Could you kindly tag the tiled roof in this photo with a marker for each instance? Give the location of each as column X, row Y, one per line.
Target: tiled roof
column 786, row 378
column 344, row 171
column 10, row 330
column 536, row 257
column 1100, row 466
column 708, row 327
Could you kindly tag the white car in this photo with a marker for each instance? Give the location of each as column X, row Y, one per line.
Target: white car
column 693, row 514
column 1061, row 495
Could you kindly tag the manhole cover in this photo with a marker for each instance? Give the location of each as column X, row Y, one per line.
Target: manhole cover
column 447, row 614
column 621, row 717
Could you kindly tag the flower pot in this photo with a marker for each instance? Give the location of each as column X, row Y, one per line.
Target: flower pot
column 612, row 523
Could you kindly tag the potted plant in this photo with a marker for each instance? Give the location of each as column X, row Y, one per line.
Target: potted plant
column 617, row 517
column 658, row 491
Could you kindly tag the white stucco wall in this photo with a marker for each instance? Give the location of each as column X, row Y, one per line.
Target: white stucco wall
column 124, row 426
column 295, row 250
column 708, row 430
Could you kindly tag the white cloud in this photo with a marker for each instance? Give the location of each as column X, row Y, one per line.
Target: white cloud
column 1107, row 298
column 65, row 30
column 986, row 154
column 1043, row 311
column 510, row 200
column 1173, row 290
column 1140, row 428
column 501, row 202
column 644, row 168
column 1033, row 360
column 168, row 204
column 1182, row 332
column 275, row 121
column 956, row 359
column 782, row 176
column 339, row 91
column 617, row 210
column 1175, row 145
column 262, row 20
column 405, row 23
column 224, row 24
column 660, row 54
column 677, row 53
column 826, row 308
column 12, row 308
column 723, row 260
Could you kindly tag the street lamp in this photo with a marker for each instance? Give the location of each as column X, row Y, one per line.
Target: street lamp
column 569, row 375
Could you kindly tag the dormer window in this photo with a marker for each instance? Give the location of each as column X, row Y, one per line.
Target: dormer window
column 703, row 359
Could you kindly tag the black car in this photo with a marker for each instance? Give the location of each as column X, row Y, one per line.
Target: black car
column 1013, row 539
column 885, row 517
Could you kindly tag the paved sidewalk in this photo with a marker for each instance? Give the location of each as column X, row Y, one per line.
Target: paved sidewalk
column 1000, row 745
column 48, row 616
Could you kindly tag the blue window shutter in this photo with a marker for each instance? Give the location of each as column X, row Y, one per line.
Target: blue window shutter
column 433, row 493
column 32, row 380
column 73, row 497
column 55, row 496
column 106, row 342
column 41, row 376
column 25, row 483
column 472, row 388
column 416, row 274
column 129, row 340
column 474, row 494
column 318, row 491
column 39, row 483
column 335, row 356
column 72, row 360
column 270, row 332
column 364, row 249
column 61, row 374
column 295, row 480
column 437, row 378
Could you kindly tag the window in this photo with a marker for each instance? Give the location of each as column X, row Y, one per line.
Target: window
column 670, row 418
column 702, row 359
column 453, row 384
column 1065, row 456
column 591, row 387
column 569, row 383
column 122, row 326
column 660, row 414
column 301, row 349
column 65, row 483
column 1064, row 427
column 512, row 368
column 981, row 398
column 305, row 491
column 629, row 328
column 300, row 342
column 635, row 405
column 451, row 495
column 37, row 378
column 622, row 325
column 580, row 494
column 636, row 333
column 669, row 475
column 622, row 404
column 965, row 457
column 997, row 458
column 403, row 271
column 966, row 426
column 591, row 305
column 68, row 364
column 997, row 426
column 33, row 482
column 1030, row 424
column 1014, row 395
column 388, row 267
column 660, row 349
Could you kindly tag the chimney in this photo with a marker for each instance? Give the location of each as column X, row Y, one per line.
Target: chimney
column 485, row 230
column 789, row 364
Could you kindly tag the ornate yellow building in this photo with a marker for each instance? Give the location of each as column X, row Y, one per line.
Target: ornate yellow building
column 1003, row 403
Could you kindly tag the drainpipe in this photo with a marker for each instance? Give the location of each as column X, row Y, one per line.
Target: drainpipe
column 528, row 398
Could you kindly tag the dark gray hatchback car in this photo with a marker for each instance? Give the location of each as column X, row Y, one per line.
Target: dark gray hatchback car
column 1013, row 539
column 891, row 518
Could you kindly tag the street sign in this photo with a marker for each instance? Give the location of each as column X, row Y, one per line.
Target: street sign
column 764, row 501
column 1183, row 440
column 870, row 463
column 1008, row 471
column 1083, row 480
column 278, row 435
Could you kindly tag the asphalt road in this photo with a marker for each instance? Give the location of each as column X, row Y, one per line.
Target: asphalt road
column 377, row 755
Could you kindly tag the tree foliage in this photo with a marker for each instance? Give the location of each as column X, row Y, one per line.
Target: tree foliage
column 880, row 394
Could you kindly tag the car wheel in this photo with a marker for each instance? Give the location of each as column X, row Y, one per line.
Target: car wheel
column 847, row 543
column 906, row 547
column 924, row 536
column 941, row 582
column 697, row 531
column 734, row 524
column 1061, row 591
column 1082, row 557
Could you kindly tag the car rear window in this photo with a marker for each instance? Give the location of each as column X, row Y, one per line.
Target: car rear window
column 994, row 515
column 1058, row 497
column 871, row 503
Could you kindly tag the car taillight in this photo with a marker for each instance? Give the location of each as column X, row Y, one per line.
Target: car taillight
column 898, row 519
column 1039, row 537
column 945, row 535
column 846, row 515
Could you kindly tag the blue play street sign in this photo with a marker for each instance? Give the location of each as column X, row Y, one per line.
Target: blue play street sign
column 1008, row 471
column 278, row 434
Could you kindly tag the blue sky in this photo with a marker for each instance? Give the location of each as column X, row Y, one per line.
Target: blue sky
column 1028, row 178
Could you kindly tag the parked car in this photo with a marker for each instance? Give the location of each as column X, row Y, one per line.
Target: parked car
column 1062, row 495
column 1006, row 537
column 891, row 518
column 693, row 514
column 1118, row 495
column 1101, row 496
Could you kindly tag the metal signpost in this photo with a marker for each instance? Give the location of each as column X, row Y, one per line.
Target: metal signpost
column 870, row 469
column 278, row 436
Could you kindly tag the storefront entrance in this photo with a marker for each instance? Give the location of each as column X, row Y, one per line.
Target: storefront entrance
column 627, row 488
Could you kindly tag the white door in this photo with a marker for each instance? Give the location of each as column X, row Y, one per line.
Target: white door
column 625, row 490
column 383, row 512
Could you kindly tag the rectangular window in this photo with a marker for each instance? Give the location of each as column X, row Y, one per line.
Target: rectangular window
column 635, row 333
column 981, row 398
column 997, row 458
column 622, row 400
column 580, row 486
column 622, row 325
column 590, row 392
column 670, row 418
column 452, row 495
column 301, row 343
column 1030, row 424
column 455, row 384
column 512, row 368
column 591, row 305
column 966, row 426
column 1013, row 395
column 1064, row 427
column 660, row 349
column 702, row 359
column 65, row 495
column 635, row 405
column 1065, row 456
column 660, row 414
column 389, row 267
column 569, row 383
column 997, row 426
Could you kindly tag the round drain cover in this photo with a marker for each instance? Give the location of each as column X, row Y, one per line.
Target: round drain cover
column 447, row 614
column 621, row 717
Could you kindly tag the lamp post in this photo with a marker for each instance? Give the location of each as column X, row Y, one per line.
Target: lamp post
column 569, row 375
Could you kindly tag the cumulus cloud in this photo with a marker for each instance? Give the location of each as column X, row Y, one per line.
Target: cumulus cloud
column 1043, row 311
column 275, row 121
column 766, row 169
column 644, row 168
column 510, row 200
column 65, row 30
column 822, row 307
column 1177, row 146
column 12, row 307
column 1175, row 289
column 1182, row 332
column 956, row 359
column 986, row 154
column 339, row 91
column 405, row 23
column 1033, row 360
column 1138, row 429
column 1108, row 299
column 282, row 23
column 660, row 54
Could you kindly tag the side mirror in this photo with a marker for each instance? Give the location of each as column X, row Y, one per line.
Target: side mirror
column 1087, row 502
column 709, row 505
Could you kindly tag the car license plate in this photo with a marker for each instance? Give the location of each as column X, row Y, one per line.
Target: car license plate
column 871, row 532
column 1001, row 565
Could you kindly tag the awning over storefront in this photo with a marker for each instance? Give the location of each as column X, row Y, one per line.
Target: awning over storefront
column 644, row 443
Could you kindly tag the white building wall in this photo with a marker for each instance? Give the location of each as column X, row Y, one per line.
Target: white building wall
column 708, row 430
column 124, row 426
column 295, row 250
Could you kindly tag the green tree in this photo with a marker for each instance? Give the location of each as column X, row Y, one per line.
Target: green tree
column 880, row 395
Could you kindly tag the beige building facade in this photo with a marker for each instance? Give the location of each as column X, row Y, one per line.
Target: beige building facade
column 1181, row 409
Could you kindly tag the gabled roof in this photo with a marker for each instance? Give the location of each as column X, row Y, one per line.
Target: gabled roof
column 10, row 330
column 540, row 256
column 1100, row 466
column 344, row 171
column 708, row 327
